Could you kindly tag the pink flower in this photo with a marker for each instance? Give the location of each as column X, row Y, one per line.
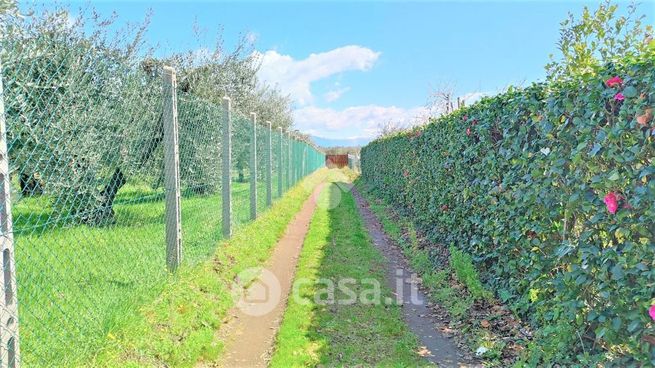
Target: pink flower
column 468, row 131
column 611, row 202
column 613, row 82
column 651, row 312
column 619, row 96
column 465, row 117
column 405, row 173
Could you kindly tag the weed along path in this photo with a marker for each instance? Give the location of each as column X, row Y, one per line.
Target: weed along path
column 437, row 347
column 250, row 331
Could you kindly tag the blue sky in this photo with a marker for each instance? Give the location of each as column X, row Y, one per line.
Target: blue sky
column 350, row 66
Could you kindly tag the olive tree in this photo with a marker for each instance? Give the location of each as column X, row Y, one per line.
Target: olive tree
column 84, row 109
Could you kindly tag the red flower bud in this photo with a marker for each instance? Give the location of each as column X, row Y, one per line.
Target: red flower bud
column 611, row 202
column 613, row 82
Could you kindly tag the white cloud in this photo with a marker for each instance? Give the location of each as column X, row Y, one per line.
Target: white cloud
column 296, row 76
column 473, row 97
column 356, row 121
column 335, row 94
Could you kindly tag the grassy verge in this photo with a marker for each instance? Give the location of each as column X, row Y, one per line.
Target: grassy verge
column 453, row 282
column 317, row 329
column 78, row 282
column 178, row 327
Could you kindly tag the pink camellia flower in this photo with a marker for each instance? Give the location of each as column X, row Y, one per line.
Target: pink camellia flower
column 405, row 173
column 468, row 131
column 611, row 202
column 613, row 82
column 619, row 96
column 651, row 312
column 465, row 117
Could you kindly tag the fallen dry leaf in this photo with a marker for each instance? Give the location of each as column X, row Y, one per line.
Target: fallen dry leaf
column 645, row 118
column 423, row 351
column 485, row 324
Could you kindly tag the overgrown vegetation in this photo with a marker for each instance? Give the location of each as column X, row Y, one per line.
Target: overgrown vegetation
column 471, row 314
column 596, row 37
column 316, row 331
column 466, row 273
column 550, row 189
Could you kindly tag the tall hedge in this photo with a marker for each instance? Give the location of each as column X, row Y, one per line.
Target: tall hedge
column 551, row 189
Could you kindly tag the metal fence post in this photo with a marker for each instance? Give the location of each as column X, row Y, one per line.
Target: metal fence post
column 304, row 160
column 172, row 172
column 253, row 167
column 288, row 171
column 296, row 161
column 269, row 165
column 227, row 168
column 8, row 303
column 279, row 162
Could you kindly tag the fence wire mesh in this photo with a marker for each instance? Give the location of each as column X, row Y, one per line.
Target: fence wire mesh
column 242, row 130
column 200, row 125
column 262, row 158
column 86, row 152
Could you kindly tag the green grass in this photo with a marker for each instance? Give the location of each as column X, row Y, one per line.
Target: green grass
column 78, row 285
column 466, row 273
column 402, row 231
column 179, row 328
column 315, row 333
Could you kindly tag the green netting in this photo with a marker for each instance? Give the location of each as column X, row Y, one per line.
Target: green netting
column 262, row 159
column 242, row 128
column 83, row 134
column 200, row 150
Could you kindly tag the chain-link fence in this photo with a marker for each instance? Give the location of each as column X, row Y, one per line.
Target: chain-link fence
column 114, row 178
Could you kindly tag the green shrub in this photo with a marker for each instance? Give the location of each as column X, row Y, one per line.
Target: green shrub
column 466, row 273
column 520, row 182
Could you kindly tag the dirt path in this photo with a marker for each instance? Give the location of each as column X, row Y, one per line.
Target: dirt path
column 249, row 334
column 439, row 348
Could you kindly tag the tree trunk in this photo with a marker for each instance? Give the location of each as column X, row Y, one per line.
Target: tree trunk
column 103, row 214
column 30, row 184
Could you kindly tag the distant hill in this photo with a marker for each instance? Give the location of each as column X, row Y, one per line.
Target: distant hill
column 345, row 142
